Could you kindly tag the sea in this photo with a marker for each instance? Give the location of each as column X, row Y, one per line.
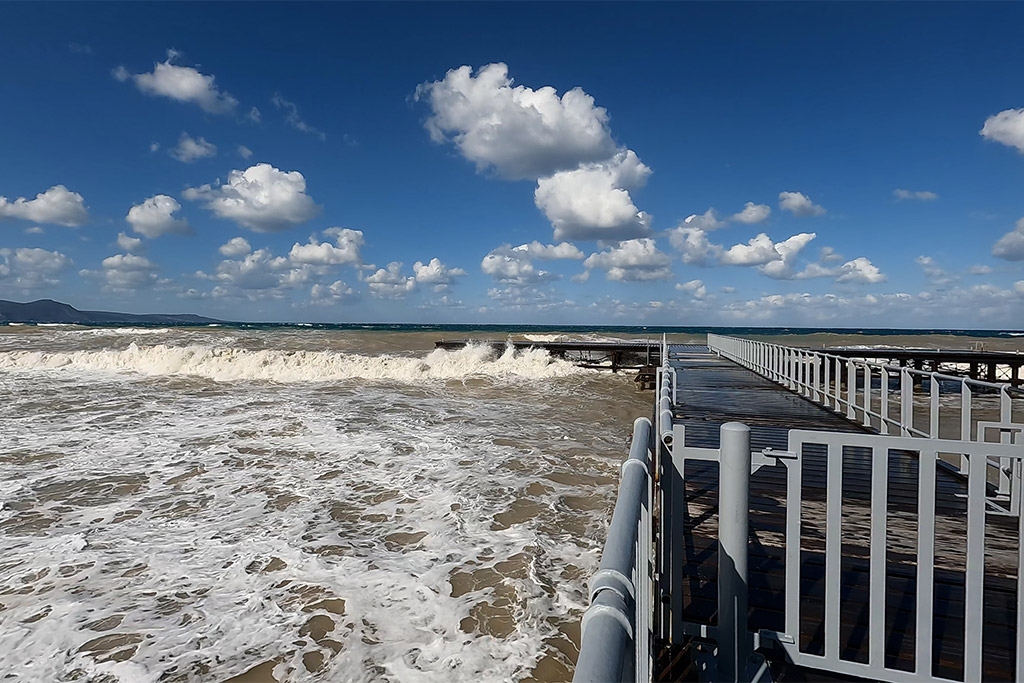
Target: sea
column 315, row 502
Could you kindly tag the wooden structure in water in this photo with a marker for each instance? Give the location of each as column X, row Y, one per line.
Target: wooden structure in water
column 605, row 355
column 990, row 366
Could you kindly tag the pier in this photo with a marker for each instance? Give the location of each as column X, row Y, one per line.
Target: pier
column 614, row 356
column 789, row 514
column 991, row 366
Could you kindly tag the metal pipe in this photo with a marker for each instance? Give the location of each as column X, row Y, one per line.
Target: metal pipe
column 607, row 652
column 617, row 560
column 665, row 420
column 734, row 643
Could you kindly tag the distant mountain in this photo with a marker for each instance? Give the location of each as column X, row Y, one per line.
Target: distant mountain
column 50, row 311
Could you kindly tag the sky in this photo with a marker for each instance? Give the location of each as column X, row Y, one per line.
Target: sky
column 818, row 164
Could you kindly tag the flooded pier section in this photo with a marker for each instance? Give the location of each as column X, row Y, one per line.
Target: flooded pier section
column 615, row 356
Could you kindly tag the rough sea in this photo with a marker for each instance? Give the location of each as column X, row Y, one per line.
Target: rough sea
column 321, row 503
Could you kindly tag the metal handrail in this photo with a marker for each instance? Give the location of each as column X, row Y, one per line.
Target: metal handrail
column 615, row 645
column 733, row 638
column 820, row 376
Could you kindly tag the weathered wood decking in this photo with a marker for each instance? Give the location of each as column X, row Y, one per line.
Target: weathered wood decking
column 712, row 391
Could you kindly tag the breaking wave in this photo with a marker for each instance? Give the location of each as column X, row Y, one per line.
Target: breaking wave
column 227, row 364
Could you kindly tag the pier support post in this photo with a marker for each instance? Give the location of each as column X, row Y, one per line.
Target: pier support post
column 734, row 642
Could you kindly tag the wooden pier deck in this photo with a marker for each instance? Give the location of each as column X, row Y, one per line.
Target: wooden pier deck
column 712, row 391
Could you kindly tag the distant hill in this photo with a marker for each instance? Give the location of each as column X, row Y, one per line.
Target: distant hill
column 50, row 311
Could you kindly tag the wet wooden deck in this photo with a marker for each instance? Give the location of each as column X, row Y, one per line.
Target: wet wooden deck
column 712, row 391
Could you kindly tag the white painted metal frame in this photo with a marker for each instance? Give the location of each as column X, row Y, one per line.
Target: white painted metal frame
column 928, row 452
column 820, row 376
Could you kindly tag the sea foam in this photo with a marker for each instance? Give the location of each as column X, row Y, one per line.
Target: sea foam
column 227, row 364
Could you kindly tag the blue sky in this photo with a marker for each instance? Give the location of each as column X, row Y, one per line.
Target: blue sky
column 836, row 164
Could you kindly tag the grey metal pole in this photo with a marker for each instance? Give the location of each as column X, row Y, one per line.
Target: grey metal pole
column 607, row 641
column 734, row 645
column 607, row 650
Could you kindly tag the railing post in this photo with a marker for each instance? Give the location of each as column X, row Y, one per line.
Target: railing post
column 816, row 370
column 867, row 395
column 906, row 402
column 884, row 408
column 851, row 390
column 734, row 642
column 839, row 385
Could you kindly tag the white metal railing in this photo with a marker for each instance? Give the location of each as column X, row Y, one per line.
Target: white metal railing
column 894, row 400
column 734, row 640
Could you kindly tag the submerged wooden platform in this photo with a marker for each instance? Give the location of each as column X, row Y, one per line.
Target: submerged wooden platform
column 614, row 355
column 712, row 391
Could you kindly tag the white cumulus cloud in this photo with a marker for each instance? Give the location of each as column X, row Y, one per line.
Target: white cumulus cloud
column 155, row 217
column 1006, row 127
column 31, row 268
column 56, row 206
column 181, row 83
column 257, row 274
column 235, row 247
column 758, row 251
column 1011, row 245
column 389, row 283
column 128, row 272
column 632, row 261
column 515, row 130
column 514, row 265
column 128, row 243
column 708, row 220
column 695, row 288
column 345, row 250
column 859, row 271
column 261, row 197
column 788, row 251
column 550, row 252
column 752, row 213
column 189, row 149
column 799, row 204
column 435, row 274
column 694, row 246
column 322, row 294
column 593, row 201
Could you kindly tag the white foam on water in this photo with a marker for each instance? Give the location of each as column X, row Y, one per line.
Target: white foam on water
column 197, row 533
column 226, row 364
column 548, row 337
column 128, row 331
column 580, row 337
